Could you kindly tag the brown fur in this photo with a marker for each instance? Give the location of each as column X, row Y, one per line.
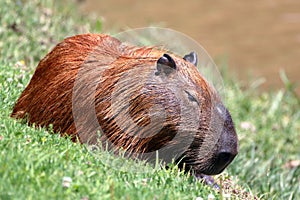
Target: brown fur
column 61, row 93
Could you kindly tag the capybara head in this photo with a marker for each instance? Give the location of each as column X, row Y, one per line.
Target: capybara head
column 144, row 100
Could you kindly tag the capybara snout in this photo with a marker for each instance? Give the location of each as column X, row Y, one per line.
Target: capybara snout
column 227, row 146
column 143, row 100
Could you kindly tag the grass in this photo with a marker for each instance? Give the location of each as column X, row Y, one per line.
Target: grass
column 269, row 144
column 35, row 164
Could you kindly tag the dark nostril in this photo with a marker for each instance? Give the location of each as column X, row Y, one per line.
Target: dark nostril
column 224, row 158
column 221, row 161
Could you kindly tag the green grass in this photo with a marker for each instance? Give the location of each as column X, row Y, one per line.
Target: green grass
column 34, row 162
column 265, row 151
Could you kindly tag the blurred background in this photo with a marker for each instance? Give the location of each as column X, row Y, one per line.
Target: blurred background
column 255, row 39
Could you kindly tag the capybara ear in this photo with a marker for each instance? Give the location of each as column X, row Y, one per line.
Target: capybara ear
column 166, row 65
column 192, row 58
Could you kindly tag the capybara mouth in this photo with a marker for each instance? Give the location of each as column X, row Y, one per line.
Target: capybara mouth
column 211, row 166
column 219, row 164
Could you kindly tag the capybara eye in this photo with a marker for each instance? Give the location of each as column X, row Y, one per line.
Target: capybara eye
column 191, row 97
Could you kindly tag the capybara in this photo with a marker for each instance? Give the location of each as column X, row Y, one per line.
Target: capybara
column 146, row 101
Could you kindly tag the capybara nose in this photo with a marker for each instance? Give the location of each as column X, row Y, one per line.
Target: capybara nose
column 224, row 158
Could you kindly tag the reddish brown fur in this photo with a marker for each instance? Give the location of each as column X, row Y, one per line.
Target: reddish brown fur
column 48, row 97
